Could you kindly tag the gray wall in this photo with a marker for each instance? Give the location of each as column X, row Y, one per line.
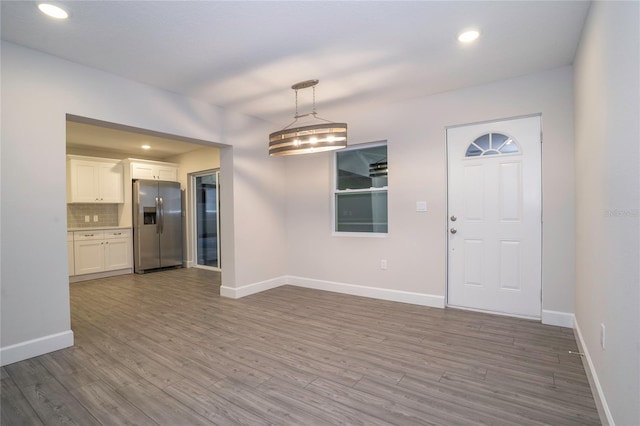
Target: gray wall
column 415, row 247
column 38, row 91
column 607, row 128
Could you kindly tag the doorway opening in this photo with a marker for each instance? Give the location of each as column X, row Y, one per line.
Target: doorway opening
column 205, row 207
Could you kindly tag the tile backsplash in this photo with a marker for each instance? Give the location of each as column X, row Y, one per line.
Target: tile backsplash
column 107, row 215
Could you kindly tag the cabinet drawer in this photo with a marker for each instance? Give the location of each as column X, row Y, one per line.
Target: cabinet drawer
column 117, row 233
column 88, row 235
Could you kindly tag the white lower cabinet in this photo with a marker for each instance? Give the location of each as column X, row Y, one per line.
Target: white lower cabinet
column 70, row 255
column 101, row 251
column 89, row 252
column 117, row 250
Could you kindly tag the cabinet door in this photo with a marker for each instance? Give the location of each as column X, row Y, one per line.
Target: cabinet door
column 84, row 182
column 142, row 171
column 70, row 257
column 89, row 256
column 117, row 254
column 111, row 183
column 167, row 173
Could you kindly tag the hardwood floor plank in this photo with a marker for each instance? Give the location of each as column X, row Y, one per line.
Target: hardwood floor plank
column 563, row 412
column 368, row 403
column 211, row 406
column 269, row 408
column 341, row 414
column 165, row 348
column 160, row 406
column 108, row 406
column 16, row 410
column 3, row 373
column 438, row 410
column 55, row 405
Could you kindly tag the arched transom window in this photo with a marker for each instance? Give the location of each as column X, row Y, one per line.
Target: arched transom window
column 492, row 144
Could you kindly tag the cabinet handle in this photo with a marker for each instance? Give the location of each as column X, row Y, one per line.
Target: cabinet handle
column 117, row 233
column 88, row 235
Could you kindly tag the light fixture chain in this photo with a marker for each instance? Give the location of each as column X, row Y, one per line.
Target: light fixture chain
column 313, row 110
column 296, row 90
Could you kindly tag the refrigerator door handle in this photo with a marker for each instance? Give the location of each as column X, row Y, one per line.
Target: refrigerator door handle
column 161, row 215
column 157, row 215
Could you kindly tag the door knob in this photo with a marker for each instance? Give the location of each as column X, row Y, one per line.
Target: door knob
column 453, row 218
column 453, row 230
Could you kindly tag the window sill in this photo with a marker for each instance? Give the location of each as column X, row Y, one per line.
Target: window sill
column 360, row 234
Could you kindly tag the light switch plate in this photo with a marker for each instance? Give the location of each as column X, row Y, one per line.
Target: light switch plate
column 95, row 217
column 421, row 206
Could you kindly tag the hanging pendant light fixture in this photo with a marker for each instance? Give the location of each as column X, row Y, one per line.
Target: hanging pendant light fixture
column 324, row 136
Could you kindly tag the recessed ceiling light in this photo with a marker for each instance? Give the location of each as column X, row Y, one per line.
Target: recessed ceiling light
column 146, row 146
column 53, row 11
column 468, row 36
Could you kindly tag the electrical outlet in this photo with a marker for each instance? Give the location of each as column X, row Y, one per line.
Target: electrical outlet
column 602, row 335
column 86, row 218
column 95, row 217
column 383, row 264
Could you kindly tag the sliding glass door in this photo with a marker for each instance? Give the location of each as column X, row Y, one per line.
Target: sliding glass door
column 206, row 221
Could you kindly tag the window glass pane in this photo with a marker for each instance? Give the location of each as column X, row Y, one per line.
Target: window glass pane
column 492, row 144
column 473, row 151
column 483, row 142
column 207, row 220
column 362, row 168
column 497, row 139
column 361, row 212
column 509, row 147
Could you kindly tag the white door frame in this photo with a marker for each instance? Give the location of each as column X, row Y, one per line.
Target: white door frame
column 447, row 215
column 193, row 217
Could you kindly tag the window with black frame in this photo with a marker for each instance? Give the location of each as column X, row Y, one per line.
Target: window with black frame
column 360, row 192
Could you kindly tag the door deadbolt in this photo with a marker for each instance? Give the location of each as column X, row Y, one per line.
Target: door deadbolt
column 453, row 230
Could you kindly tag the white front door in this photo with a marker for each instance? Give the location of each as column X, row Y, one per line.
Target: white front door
column 494, row 221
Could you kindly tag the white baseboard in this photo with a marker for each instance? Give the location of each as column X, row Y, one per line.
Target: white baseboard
column 601, row 402
column 372, row 292
column 94, row 276
column 35, row 347
column 355, row 290
column 561, row 319
column 246, row 290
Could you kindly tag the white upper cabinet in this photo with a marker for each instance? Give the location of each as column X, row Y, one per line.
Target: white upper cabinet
column 98, row 180
column 154, row 170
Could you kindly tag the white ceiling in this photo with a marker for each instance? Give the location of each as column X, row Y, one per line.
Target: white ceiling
column 85, row 136
column 246, row 55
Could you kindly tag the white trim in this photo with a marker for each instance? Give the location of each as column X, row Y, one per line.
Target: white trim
column 517, row 117
column 360, row 234
column 561, row 319
column 35, row 347
column 335, row 191
column 97, row 275
column 192, row 225
column 422, row 299
column 372, row 292
column 484, row 311
column 249, row 289
column 596, row 389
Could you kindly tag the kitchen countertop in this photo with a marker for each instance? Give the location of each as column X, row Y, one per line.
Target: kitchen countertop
column 97, row 228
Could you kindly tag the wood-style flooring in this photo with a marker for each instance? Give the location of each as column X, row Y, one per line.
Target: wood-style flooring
column 165, row 348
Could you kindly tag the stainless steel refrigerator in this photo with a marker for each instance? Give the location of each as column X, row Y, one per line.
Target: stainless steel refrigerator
column 157, row 225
